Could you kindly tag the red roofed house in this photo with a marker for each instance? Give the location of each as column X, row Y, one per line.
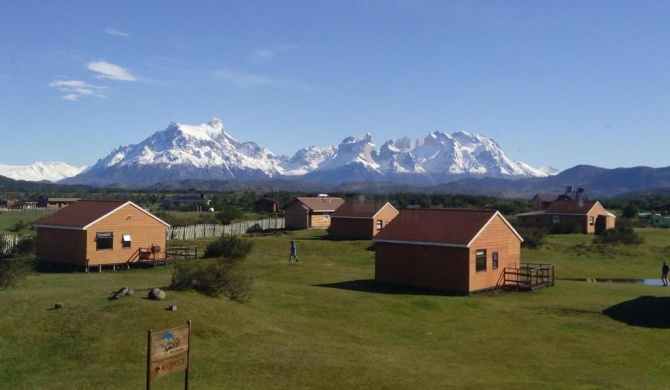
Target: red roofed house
column 311, row 212
column 361, row 220
column 457, row 250
column 590, row 215
column 91, row 233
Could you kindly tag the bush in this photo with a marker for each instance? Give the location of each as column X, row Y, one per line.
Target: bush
column 27, row 246
column 228, row 215
column 18, row 226
column 14, row 269
column 624, row 235
column 231, row 247
column 213, row 278
column 533, row 238
column 566, row 227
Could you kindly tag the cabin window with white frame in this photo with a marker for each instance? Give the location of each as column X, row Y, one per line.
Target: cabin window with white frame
column 592, row 221
column 326, row 217
column 379, row 224
column 104, row 241
column 125, row 241
column 494, row 260
column 555, row 219
column 480, row 260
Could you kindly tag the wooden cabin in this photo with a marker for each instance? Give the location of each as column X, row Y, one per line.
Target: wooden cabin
column 448, row 249
column 590, row 216
column 361, row 220
column 311, row 212
column 92, row 233
column 266, row 205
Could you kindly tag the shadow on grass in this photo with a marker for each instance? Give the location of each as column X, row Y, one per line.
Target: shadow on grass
column 371, row 286
column 645, row 311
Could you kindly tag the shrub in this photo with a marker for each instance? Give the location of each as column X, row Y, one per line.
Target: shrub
column 27, row 246
column 533, row 238
column 213, row 278
column 231, row 247
column 566, row 227
column 18, row 226
column 228, row 215
column 12, row 270
column 624, row 235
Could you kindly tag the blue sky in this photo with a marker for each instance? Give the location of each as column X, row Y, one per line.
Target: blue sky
column 555, row 83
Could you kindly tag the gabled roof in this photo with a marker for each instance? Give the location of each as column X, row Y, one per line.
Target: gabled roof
column 546, row 197
column 81, row 214
column 441, row 227
column 573, row 207
column 319, row 203
column 360, row 209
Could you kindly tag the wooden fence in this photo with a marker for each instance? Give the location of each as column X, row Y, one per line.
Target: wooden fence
column 236, row 229
column 9, row 241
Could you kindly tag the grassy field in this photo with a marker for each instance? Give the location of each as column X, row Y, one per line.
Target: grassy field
column 323, row 324
column 8, row 219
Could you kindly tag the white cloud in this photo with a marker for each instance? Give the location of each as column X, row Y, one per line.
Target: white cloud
column 113, row 31
column 107, row 70
column 76, row 89
column 261, row 55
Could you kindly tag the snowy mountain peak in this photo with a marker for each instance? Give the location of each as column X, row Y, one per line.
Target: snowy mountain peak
column 206, row 151
column 40, row 171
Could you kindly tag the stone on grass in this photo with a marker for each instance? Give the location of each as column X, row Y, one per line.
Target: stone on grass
column 130, row 292
column 156, row 294
column 59, row 305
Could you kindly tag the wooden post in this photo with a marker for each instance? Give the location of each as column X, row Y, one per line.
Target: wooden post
column 149, row 360
column 188, row 356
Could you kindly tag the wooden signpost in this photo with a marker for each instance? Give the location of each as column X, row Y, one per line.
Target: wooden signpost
column 168, row 352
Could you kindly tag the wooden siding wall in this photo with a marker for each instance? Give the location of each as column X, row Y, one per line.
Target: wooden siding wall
column 144, row 231
column 386, row 214
column 352, row 228
column 496, row 237
column 444, row 268
column 296, row 216
column 361, row 228
column 317, row 221
column 61, row 246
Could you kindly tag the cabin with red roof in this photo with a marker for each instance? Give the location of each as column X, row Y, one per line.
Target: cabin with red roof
column 92, row 233
column 360, row 220
column 311, row 212
column 457, row 250
column 589, row 215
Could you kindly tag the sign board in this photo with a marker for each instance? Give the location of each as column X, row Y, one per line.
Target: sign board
column 168, row 352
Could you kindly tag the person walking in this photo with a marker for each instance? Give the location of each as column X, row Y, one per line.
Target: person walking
column 294, row 253
column 664, row 273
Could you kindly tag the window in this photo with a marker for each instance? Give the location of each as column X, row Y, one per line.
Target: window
column 555, row 219
column 326, row 217
column 592, row 221
column 104, row 241
column 379, row 224
column 125, row 241
column 494, row 260
column 480, row 256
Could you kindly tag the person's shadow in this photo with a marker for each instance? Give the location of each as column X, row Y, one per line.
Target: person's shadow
column 645, row 311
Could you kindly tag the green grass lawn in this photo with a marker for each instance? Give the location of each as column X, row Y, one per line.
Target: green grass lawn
column 8, row 219
column 323, row 324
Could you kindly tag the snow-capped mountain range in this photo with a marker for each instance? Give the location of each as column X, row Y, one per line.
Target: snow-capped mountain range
column 206, row 151
column 40, row 171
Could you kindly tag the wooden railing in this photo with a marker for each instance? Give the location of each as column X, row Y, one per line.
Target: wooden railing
column 528, row 276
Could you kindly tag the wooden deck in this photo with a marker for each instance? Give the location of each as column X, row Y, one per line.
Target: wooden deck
column 152, row 257
column 528, row 276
